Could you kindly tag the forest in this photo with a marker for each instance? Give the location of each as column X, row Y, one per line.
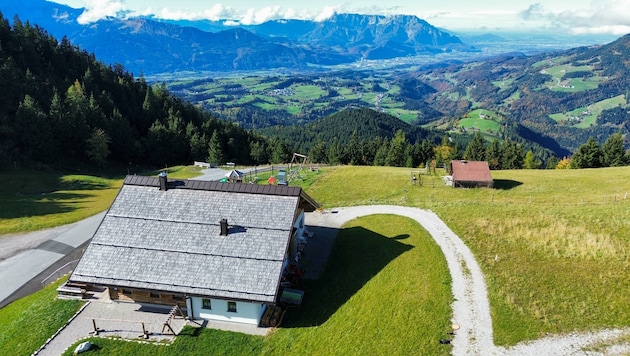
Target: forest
column 61, row 108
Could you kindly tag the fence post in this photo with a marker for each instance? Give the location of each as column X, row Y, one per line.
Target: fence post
column 94, row 325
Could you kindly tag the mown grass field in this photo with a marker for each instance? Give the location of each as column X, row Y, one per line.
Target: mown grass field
column 560, row 237
column 27, row 323
column 553, row 245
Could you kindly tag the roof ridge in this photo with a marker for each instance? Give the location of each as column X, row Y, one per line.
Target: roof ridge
column 185, row 252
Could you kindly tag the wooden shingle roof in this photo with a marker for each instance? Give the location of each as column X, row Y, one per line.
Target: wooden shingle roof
column 169, row 240
column 471, row 172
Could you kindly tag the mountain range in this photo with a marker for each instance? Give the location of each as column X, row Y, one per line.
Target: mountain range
column 291, row 44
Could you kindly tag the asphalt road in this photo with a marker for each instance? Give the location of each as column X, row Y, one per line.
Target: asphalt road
column 23, row 270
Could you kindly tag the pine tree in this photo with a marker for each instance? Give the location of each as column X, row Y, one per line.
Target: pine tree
column 381, row 153
column 318, row 153
column 98, row 147
column 530, row 161
column 493, row 155
column 476, row 150
column 215, row 149
column 396, row 155
column 33, row 131
column 588, row 155
column 613, row 152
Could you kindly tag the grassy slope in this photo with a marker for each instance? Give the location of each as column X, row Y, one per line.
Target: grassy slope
column 36, row 201
column 34, row 318
column 561, row 238
column 31, row 201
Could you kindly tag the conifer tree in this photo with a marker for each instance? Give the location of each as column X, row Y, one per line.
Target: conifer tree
column 613, row 152
column 476, row 150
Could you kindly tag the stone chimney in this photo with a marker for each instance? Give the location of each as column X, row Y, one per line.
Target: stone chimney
column 163, row 181
column 224, row 227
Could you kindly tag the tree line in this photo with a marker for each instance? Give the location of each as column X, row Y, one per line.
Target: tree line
column 61, row 107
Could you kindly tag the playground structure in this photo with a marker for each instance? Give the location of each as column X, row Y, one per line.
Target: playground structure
column 297, row 167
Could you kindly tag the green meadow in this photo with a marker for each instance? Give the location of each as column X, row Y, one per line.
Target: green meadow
column 553, row 246
column 585, row 117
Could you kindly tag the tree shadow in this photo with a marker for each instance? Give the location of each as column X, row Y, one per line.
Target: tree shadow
column 40, row 194
column 506, row 184
column 358, row 255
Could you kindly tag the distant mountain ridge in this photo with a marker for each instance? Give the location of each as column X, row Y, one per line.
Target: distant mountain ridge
column 148, row 45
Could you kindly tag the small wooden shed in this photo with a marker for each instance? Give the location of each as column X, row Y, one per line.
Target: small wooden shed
column 471, row 174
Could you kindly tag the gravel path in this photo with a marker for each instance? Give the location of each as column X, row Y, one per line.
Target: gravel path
column 471, row 309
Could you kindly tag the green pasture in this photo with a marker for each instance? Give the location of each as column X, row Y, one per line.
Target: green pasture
column 294, row 109
column 503, row 83
column 32, row 201
column 306, row 92
column 245, row 99
column 480, row 124
column 27, row 323
column 594, row 110
column 559, row 237
column 394, row 90
column 552, row 245
column 369, row 98
column 577, row 84
column 570, row 85
column 403, row 114
column 473, row 120
column 560, row 70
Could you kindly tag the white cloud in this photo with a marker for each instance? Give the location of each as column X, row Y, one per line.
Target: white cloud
column 327, row 12
column 99, row 9
column 218, row 12
column 601, row 17
column 168, row 14
column 611, row 16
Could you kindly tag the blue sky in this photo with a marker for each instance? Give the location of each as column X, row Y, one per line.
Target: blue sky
column 571, row 16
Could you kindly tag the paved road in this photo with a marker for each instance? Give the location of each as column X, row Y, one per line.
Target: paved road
column 26, row 259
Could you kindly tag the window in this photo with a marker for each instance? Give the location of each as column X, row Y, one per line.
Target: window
column 232, row 307
column 154, row 295
column 126, row 291
column 177, row 297
column 206, row 304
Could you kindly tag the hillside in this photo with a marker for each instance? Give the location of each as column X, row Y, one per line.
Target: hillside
column 562, row 97
column 364, row 123
column 556, row 100
column 60, row 107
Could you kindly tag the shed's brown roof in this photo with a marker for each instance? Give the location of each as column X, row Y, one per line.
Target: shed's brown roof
column 470, row 171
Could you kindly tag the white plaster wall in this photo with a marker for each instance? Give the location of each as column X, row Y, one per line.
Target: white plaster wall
column 247, row 313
